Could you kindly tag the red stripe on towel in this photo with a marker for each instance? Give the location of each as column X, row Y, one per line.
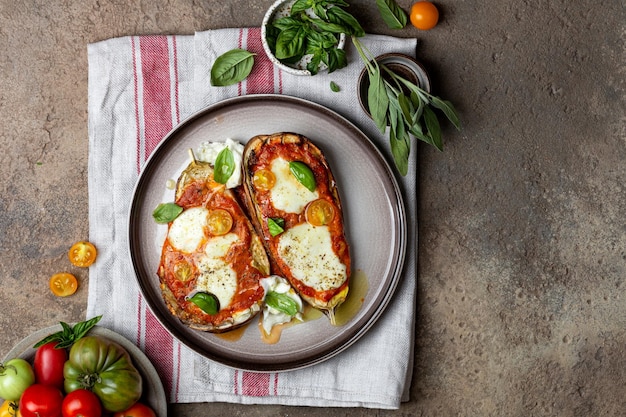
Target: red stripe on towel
column 160, row 349
column 255, row 384
column 156, row 90
column 261, row 78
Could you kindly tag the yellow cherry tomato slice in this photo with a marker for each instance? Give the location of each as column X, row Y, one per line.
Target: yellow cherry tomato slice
column 10, row 409
column 319, row 212
column 82, row 254
column 264, row 179
column 220, row 222
column 63, row 284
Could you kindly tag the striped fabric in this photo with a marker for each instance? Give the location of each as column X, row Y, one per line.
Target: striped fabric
column 140, row 87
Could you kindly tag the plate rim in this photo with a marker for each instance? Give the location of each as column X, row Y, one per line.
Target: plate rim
column 399, row 208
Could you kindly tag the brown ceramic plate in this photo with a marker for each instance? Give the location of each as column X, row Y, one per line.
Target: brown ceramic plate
column 374, row 219
column 153, row 392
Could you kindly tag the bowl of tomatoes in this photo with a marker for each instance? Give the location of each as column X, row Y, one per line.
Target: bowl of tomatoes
column 98, row 373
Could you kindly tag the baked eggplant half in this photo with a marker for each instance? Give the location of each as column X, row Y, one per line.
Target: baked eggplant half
column 294, row 204
column 212, row 258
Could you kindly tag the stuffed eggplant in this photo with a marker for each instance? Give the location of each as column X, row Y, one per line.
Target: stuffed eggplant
column 294, row 204
column 212, row 259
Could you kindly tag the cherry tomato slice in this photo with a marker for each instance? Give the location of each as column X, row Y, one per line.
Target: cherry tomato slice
column 9, row 409
column 82, row 254
column 319, row 212
column 81, row 403
column 63, row 284
column 264, row 179
column 220, row 222
column 424, row 15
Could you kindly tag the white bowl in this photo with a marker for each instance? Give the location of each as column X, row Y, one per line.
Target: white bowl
column 282, row 8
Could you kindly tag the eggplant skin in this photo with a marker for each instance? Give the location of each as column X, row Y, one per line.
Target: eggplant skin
column 326, row 300
column 197, row 179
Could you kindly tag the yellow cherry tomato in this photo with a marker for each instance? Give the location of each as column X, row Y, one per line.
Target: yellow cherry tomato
column 9, row 409
column 319, row 212
column 220, row 222
column 63, row 284
column 82, row 254
column 424, row 15
column 264, row 179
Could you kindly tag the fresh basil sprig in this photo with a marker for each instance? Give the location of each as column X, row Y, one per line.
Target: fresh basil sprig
column 275, row 225
column 316, row 34
column 70, row 334
column 282, row 303
column 405, row 108
column 303, row 174
column 392, row 14
column 206, row 301
column 166, row 212
column 224, row 166
column 231, row 67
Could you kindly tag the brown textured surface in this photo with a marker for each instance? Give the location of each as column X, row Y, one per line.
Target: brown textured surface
column 522, row 299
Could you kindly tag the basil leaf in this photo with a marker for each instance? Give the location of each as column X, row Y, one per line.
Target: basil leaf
column 300, row 6
column 334, row 87
column 224, row 166
column 340, row 16
column 207, row 302
column 303, row 174
column 231, row 67
column 282, row 303
column 336, row 59
column 69, row 334
column 290, row 43
column 276, row 226
column 166, row 212
column 392, row 14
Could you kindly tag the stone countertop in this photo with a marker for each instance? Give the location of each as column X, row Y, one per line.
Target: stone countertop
column 522, row 245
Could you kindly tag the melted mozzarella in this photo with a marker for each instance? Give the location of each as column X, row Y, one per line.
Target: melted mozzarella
column 272, row 316
column 308, row 251
column 187, row 230
column 288, row 194
column 216, row 275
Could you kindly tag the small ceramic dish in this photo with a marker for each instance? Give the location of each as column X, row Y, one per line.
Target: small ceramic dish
column 282, row 8
column 401, row 64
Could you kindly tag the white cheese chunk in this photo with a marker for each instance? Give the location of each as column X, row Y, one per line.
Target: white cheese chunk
column 186, row 233
column 216, row 275
column 288, row 194
column 308, row 251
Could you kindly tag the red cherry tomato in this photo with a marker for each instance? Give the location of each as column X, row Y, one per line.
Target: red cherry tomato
column 81, row 403
column 137, row 410
column 48, row 365
column 41, row 401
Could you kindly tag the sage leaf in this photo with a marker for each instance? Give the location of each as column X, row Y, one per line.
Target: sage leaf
column 166, row 212
column 400, row 152
column 432, row 127
column 282, row 303
column 377, row 100
column 448, row 109
column 231, row 67
column 206, row 301
column 392, row 14
column 276, row 226
column 224, row 166
column 303, row 174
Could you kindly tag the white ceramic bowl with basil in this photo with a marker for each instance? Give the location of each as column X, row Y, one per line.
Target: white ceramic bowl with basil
column 286, row 42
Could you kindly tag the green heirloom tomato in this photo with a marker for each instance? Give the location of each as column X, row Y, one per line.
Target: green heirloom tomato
column 15, row 376
column 104, row 367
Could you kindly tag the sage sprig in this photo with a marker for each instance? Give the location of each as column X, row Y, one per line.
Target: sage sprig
column 406, row 109
column 393, row 15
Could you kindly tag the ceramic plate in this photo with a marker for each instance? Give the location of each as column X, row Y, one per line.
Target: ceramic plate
column 153, row 392
column 374, row 220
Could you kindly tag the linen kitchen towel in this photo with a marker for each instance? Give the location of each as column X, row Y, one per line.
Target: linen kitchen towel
column 140, row 87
